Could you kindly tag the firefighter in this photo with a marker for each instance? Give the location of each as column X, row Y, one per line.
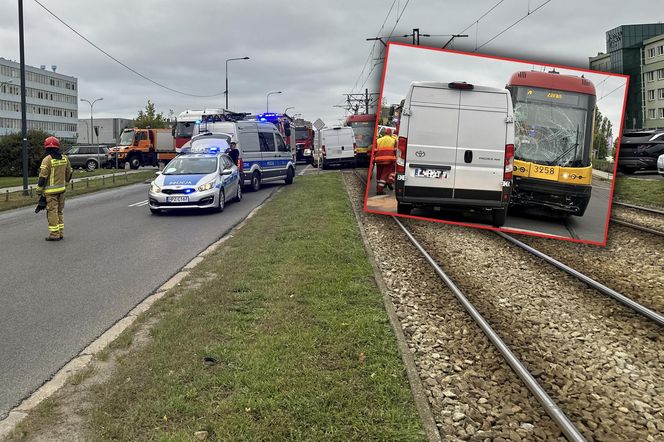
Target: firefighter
column 385, row 159
column 54, row 174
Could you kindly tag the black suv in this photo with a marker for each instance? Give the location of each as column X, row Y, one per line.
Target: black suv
column 639, row 150
column 88, row 157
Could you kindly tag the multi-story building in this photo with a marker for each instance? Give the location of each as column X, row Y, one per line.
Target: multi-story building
column 653, row 82
column 625, row 54
column 51, row 100
column 106, row 130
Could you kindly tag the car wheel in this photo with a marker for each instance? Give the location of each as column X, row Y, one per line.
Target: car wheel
column 498, row 217
column 222, row 201
column 324, row 165
column 404, row 208
column 134, row 162
column 256, row 181
column 91, row 165
column 155, row 211
column 238, row 194
column 289, row 176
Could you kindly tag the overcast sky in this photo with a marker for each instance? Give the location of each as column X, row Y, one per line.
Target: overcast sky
column 407, row 64
column 313, row 51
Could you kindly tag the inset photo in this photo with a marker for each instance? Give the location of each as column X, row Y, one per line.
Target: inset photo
column 496, row 143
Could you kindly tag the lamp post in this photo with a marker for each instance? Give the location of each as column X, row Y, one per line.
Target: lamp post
column 226, row 91
column 267, row 100
column 92, row 128
column 290, row 107
column 24, row 118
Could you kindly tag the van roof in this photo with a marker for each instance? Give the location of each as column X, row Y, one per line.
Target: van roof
column 445, row 85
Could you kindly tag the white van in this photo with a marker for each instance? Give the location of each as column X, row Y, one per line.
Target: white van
column 456, row 148
column 337, row 145
column 264, row 154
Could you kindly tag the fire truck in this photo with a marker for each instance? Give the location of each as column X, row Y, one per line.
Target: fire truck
column 304, row 140
column 186, row 124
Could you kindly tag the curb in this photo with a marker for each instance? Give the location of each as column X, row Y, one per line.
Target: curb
column 81, row 361
column 421, row 400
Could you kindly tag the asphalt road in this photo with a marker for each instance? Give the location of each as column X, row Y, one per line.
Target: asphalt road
column 644, row 175
column 589, row 227
column 57, row 297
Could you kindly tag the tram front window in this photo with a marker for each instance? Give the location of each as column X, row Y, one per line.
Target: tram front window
column 548, row 130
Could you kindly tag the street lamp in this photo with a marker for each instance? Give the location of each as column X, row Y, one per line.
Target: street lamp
column 92, row 128
column 226, row 91
column 291, row 107
column 267, row 100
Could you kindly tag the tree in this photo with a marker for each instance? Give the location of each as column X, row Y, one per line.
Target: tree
column 11, row 146
column 603, row 131
column 150, row 118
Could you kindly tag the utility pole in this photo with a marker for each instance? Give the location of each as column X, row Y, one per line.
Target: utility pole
column 416, row 36
column 452, row 37
column 24, row 121
column 365, row 99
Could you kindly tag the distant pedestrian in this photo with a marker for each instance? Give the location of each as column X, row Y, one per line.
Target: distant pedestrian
column 54, row 174
column 385, row 159
column 233, row 152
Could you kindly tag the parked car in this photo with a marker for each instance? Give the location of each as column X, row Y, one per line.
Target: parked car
column 203, row 178
column 88, row 157
column 455, row 148
column 660, row 165
column 639, row 150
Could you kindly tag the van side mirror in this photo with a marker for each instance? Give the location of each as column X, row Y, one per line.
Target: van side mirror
column 226, row 172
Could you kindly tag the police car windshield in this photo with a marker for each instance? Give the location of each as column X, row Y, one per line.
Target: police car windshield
column 191, row 166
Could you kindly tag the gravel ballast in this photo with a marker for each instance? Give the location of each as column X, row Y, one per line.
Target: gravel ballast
column 600, row 362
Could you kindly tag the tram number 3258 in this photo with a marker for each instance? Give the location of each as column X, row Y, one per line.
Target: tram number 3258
column 544, row 170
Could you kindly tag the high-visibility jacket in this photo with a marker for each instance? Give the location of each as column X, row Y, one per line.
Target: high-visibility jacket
column 385, row 150
column 54, row 174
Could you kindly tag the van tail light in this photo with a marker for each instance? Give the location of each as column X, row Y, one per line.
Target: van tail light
column 322, row 148
column 509, row 162
column 240, row 164
column 401, row 155
column 461, row 85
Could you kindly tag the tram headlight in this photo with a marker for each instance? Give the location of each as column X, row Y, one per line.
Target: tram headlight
column 565, row 175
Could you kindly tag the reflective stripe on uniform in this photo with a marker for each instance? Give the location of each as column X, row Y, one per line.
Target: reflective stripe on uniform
column 53, row 228
column 54, row 189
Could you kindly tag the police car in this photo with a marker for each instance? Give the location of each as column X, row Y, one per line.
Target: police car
column 202, row 177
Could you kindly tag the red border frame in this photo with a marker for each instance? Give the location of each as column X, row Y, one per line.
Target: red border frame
column 481, row 226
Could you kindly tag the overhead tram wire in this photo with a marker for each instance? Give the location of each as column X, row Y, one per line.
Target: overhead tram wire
column 607, row 94
column 145, row 77
column 513, row 24
column 372, row 48
column 388, row 39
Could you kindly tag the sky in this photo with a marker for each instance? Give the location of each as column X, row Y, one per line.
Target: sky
column 313, row 51
column 406, row 64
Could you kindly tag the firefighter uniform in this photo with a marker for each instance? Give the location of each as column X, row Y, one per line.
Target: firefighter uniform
column 385, row 159
column 54, row 174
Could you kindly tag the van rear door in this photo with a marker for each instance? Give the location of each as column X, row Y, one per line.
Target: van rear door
column 480, row 156
column 334, row 143
column 432, row 141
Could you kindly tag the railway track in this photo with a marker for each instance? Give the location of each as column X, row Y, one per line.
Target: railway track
column 551, row 408
column 647, row 213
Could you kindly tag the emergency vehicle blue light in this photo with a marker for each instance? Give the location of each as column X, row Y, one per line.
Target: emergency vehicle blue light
column 189, row 190
column 213, row 149
column 184, row 150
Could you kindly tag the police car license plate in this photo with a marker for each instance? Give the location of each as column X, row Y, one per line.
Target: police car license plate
column 430, row 173
column 178, row 199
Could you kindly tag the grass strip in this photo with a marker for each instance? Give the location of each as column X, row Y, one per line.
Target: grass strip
column 640, row 192
column 13, row 181
column 289, row 309
column 13, row 200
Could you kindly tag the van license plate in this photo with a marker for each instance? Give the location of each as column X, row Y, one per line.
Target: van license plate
column 430, row 173
column 178, row 199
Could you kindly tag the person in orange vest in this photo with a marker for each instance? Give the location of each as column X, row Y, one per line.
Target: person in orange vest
column 385, row 159
column 54, row 174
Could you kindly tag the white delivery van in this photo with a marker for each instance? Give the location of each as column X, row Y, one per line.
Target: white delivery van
column 456, row 148
column 337, row 146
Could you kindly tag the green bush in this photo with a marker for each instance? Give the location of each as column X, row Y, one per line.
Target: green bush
column 10, row 153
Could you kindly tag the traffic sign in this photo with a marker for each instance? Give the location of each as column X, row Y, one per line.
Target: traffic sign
column 318, row 124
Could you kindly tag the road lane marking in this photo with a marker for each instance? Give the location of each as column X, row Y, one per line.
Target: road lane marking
column 139, row 204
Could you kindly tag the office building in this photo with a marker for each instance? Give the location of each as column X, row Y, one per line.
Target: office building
column 51, row 99
column 626, row 48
